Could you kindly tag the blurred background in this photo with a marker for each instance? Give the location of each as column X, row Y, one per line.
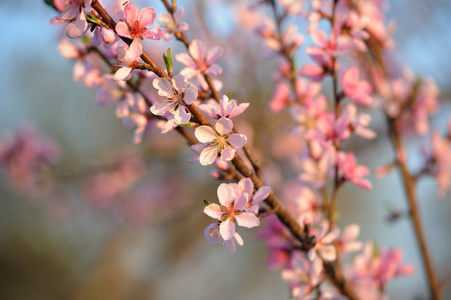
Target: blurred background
column 125, row 221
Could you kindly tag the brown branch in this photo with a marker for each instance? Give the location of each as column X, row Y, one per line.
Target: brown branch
column 409, row 188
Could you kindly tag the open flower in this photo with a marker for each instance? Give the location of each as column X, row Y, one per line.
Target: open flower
column 126, row 58
column 200, row 61
column 357, row 90
column 135, row 25
column 173, row 24
column 349, row 170
column 219, row 142
column 178, row 94
column 226, row 108
column 231, row 211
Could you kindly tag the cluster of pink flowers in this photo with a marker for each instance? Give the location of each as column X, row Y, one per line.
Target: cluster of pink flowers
column 113, row 60
column 26, row 158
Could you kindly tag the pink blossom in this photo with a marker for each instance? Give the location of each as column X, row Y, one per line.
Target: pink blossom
column 358, row 91
column 219, row 142
column 322, row 55
column 358, row 124
column 317, row 172
column 25, row 159
column 349, row 170
column 135, row 25
column 126, row 58
column 280, row 97
column 381, row 268
column 347, row 243
column 304, row 275
column 75, row 14
column 178, row 93
column 231, row 211
column 441, row 155
column 226, row 108
column 172, row 24
column 324, row 244
column 199, row 61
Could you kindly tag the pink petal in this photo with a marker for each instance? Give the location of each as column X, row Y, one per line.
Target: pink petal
column 164, row 87
column 154, row 34
column 319, row 37
column 248, row 220
column 226, row 194
column 261, row 194
column 208, row 155
column 146, row 16
column 190, row 95
column 77, row 28
column 214, row 70
column 224, row 125
column 227, row 229
column 241, row 202
column 331, row 236
column 135, row 49
column 237, row 140
column 314, row 72
column 213, row 54
column 179, row 83
column 122, row 29
column 185, row 59
column 227, row 153
column 181, row 115
column 213, row 211
column 130, row 13
column 122, row 73
column 205, row 134
column 197, row 50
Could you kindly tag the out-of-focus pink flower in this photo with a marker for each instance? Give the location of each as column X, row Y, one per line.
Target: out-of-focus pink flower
column 441, row 156
column 25, row 159
column 323, row 244
column 219, row 142
column 199, row 61
column 75, row 14
column 135, row 25
column 379, row 269
column 349, row 170
column 317, row 171
column 212, row 235
column 358, row 124
column 355, row 89
column 346, row 242
column 304, row 275
column 172, row 25
column 231, row 211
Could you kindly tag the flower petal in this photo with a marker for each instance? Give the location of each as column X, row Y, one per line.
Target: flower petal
column 248, row 220
column 237, row 140
column 227, row 229
column 224, row 125
column 225, row 194
column 205, row 134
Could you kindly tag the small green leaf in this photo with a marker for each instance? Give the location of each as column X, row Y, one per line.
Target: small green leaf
column 168, row 61
column 206, row 202
column 229, row 95
column 92, row 19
